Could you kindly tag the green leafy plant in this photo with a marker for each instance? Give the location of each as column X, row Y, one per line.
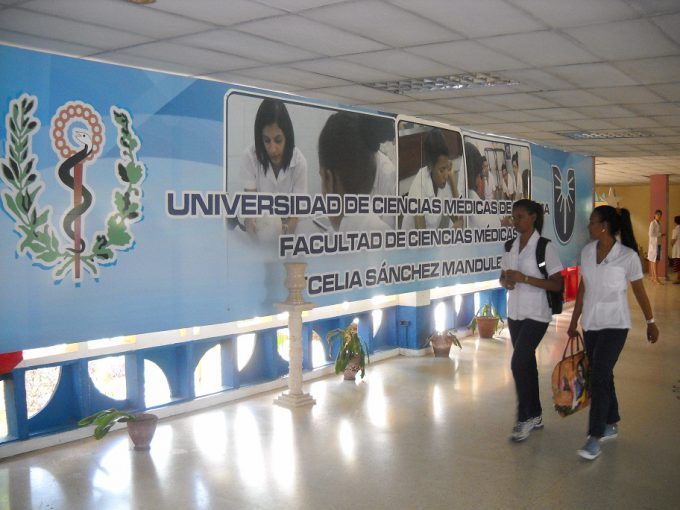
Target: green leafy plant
column 351, row 345
column 447, row 334
column 490, row 312
column 104, row 420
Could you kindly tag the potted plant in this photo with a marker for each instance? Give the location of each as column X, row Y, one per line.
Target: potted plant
column 352, row 352
column 487, row 320
column 140, row 426
column 442, row 341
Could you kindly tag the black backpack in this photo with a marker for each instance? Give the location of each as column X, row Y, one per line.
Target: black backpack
column 556, row 297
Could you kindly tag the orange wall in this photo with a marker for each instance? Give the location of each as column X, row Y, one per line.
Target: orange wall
column 635, row 198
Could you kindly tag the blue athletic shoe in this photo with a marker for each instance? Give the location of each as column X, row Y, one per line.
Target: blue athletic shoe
column 610, row 432
column 591, row 450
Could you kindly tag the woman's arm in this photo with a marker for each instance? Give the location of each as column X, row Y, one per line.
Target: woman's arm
column 643, row 301
column 578, row 308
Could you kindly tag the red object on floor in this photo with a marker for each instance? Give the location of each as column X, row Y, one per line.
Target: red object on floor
column 9, row 360
column 570, row 275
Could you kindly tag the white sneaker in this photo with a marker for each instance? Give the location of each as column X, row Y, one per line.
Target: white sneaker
column 538, row 422
column 522, row 429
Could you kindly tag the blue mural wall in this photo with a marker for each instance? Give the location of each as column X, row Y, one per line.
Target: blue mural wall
column 114, row 187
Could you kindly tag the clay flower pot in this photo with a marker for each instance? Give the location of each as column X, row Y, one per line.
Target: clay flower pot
column 142, row 429
column 353, row 367
column 487, row 326
column 441, row 343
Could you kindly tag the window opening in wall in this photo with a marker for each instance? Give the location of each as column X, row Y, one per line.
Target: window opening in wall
column 3, row 411
column 377, row 316
column 245, row 345
column 440, row 316
column 41, row 384
column 283, row 343
column 156, row 387
column 457, row 302
column 476, row 299
column 208, row 373
column 318, row 352
column 108, row 376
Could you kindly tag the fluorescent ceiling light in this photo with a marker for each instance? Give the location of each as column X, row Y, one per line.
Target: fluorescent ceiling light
column 453, row 81
column 606, row 134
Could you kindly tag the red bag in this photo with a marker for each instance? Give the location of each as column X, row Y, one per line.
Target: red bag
column 570, row 378
column 9, row 360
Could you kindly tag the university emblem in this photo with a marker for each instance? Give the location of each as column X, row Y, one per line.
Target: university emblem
column 77, row 133
column 564, row 203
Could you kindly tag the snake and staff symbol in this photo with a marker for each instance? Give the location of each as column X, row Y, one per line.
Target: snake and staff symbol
column 86, row 132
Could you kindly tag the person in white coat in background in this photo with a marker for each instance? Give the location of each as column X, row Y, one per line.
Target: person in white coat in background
column 654, row 248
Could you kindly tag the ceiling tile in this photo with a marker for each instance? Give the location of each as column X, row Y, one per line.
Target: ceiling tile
column 400, row 62
column 471, row 105
column 466, row 119
column 537, row 80
column 572, row 98
column 246, row 45
column 592, row 124
column 605, row 112
column 656, row 108
column 345, row 70
column 215, row 11
column 149, row 63
column 670, row 25
column 361, row 94
column 52, row 45
column 577, row 12
column 626, row 95
column 294, row 77
column 652, row 70
column 558, row 113
column 634, row 122
column 668, row 120
column 298, row 5
column 360, row 18
column 469, row 56
column 516, row 116
column 306, row 33
column 239, row 79
column 540, row 48
column 669, row 91
column 417, row 108
column 207, row 60
column 653, row 7
column 628, row 39
column 520, row 101
column 75, row 32
column 592, row 75
column 124, row 16
column 476, row 21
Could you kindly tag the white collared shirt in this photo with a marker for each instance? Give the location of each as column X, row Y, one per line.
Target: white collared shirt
column 526, row 301
column 422, row 187
column 605, row 302
column 291, row 180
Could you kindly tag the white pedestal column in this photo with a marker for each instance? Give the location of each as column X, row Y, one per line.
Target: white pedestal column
column 295, row 305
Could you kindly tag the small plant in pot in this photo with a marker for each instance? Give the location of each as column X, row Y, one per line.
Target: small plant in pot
column 352, row 352
column 140, row 426
column 487, row 321
column 442, row 341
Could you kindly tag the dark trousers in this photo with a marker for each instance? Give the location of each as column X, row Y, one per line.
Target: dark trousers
column 526, row 335
column 603, row 348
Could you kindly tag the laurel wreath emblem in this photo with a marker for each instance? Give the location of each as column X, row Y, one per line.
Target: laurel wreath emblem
column 39, row 240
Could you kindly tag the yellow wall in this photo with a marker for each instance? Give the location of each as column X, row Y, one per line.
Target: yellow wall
column 636, row 200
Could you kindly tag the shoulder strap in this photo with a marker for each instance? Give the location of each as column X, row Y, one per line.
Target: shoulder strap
column 508, row 244
column 540, row 255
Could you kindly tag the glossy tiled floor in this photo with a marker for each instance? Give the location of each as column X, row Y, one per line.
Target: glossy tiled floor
column 418, row 433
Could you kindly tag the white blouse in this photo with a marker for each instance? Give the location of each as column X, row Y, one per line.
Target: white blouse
column 605, row 301
column 292, row 180
column 527, row 301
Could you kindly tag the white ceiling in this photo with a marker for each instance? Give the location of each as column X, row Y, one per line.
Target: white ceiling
column 580, row 64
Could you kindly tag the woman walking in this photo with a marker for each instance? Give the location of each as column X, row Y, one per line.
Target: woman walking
column 528, row 310
column 607, row 265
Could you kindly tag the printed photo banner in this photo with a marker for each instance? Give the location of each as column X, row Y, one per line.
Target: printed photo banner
column 173, row 202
